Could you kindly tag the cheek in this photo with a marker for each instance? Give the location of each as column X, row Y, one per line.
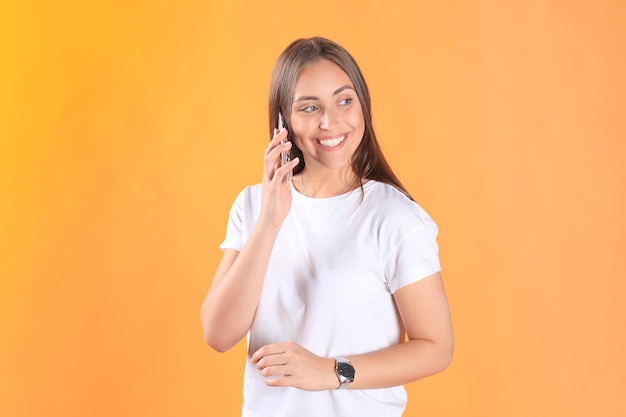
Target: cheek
column 299, row 129
column 296, row 136
column 357, row 121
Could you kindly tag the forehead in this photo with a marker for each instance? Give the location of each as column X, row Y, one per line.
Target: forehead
column 320, row 77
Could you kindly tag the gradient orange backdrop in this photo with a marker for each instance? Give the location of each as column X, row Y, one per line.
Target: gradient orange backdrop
column 128, row 128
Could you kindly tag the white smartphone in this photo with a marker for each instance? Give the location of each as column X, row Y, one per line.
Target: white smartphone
column 284, row 156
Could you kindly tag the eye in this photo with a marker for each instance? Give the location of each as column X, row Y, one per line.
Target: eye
column 309, row 109
column 345, row 101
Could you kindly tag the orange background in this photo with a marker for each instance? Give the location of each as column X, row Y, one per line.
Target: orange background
column 128, row 128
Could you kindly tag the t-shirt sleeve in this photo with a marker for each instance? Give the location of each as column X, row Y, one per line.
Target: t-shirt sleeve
column 234, row 229
column 415, row 257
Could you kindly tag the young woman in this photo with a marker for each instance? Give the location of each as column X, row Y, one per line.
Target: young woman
column 328, row 266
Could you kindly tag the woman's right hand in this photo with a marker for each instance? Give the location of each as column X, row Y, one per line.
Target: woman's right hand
column 276, row 188
column 231, row 303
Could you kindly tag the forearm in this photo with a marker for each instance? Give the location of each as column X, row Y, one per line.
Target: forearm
column 425, row 314
column 289, row 364
column 400, row 364
column 230, row 305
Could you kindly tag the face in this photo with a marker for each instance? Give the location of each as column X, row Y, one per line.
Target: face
column 326, row 116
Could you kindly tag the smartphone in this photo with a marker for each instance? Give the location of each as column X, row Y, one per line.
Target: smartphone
column 284, row 156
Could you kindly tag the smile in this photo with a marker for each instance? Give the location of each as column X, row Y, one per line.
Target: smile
column 331, row 143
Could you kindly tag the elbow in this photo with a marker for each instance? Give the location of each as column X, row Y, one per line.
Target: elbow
column 217, row 340
column 445, row 354
column 446, row 360
column 217, row 345
column 212, row 335
column 439, row 355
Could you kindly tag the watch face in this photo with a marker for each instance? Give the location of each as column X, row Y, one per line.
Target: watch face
column 346, row 370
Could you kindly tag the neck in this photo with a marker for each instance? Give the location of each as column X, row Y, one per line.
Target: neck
column 329, row 183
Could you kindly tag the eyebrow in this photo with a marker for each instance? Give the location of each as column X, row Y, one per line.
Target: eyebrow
column 337, row 91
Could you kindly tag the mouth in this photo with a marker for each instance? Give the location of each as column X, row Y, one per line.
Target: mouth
column 332, row 142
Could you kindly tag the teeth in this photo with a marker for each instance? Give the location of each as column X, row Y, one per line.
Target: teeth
column 330, row 143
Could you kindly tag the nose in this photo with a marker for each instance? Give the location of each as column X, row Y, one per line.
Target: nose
column 327, row 119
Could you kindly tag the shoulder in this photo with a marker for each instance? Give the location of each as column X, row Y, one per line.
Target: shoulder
column 395, row 209
column 247, row 203
column 389, row 193
column 249, row 194
column 389, row 200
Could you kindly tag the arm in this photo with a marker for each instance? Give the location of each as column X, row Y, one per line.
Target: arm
column 424, row 310
column 229, row 307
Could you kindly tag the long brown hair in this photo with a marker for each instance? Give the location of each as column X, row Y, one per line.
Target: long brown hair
column 368, row 161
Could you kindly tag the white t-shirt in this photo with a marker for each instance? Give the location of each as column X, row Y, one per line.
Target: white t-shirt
column 329, row 284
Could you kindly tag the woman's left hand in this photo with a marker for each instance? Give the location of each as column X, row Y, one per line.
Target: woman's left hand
column 291, row 365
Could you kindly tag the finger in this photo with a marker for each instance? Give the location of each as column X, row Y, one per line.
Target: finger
column 273, row 152
column 280, row 381
column 273, row 158
column 271, row 349
column 278, row 137
column 278, row 371
column 270, row 167
column 272, row 364
column 280, row 172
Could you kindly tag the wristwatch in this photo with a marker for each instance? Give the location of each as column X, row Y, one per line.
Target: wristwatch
column 344, row 371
